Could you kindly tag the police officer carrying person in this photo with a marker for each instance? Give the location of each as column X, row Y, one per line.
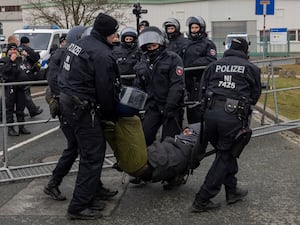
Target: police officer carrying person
column 197, row 51
column 160, row 74
column 89, row 86
column 70, row 154
column 230, row 87
column 12, row 70
column 176, row 39
column 127, row 54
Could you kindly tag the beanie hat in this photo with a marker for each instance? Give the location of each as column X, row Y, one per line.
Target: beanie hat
column 105, row 25
column 12, row 45
column 239, row 44
column 24, row 40
column 75, row 34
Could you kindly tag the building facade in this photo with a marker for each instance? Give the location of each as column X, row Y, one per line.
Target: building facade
column 221, row 16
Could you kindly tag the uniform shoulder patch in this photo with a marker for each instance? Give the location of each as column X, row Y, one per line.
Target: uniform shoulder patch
column 179, row 70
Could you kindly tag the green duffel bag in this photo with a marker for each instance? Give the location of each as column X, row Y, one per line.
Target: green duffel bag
column 126, row 138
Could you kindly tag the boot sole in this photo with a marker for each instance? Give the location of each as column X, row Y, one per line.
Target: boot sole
column 78, row 217
column 47, row 192
column 198, row 210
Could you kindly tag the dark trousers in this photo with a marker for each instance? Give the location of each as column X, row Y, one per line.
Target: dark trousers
column 152, row 121
column 193, row 89
column 29, row 104
column 221, row 130
column 91, row 148
column 14, row 100
column 69, row 154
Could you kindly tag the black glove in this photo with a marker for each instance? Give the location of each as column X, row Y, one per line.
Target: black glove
column 54, row 107
column 169, row 114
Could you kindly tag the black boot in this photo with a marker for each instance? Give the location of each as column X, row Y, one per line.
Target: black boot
column 236, row 195
column 12, row 132
column 53, row 191
column 203, row 206
column 105, row 194
column 23, row 130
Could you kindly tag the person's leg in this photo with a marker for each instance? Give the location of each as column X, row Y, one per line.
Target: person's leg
column 91, row 146
column 29, row 104
column 151, row 123
column 64, row 163
column 10, row 101
column 20, row 106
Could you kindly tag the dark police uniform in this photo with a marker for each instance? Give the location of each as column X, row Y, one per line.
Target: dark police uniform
column 14, row 71
column 126, row 57
column 69, row 154
column 163, row 80
column 196, row 52
column 176, row 43
column 232, row 80
column 89, row 89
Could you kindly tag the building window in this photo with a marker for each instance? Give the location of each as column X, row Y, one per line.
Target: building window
column 298, row 31
column 10, row 8
column 261, row 35
column 292, row 35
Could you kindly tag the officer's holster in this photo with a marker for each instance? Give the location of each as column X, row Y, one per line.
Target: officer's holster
column 240, row 141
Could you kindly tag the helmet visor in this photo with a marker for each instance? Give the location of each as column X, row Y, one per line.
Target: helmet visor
column 150, row 37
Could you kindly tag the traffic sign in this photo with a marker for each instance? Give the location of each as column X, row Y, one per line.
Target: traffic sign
column 268, row 4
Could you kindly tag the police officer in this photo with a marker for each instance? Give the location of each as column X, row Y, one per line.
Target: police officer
column 160, row 74
column 230, row 87
column 89, row 85
column 176, row 39
column 12, row 69
column 127, row 54
column 197, row 51
column 70, row 154
column 32, row 59
column 143, row 24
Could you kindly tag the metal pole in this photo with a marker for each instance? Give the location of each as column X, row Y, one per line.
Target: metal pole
column 274, row 94
column 266, row 96
column 5, row 155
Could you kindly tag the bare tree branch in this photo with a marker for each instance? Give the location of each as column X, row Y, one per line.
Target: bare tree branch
column 69, row 13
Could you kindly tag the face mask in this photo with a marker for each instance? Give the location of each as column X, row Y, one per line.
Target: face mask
column 153, row 54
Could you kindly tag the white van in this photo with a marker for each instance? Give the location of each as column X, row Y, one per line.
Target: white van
column 43, row 39
column 231, row 36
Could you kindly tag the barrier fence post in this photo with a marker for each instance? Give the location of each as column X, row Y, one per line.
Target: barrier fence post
column 5, row 155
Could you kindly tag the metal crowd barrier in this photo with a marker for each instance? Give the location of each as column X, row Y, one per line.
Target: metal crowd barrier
column 12, row 173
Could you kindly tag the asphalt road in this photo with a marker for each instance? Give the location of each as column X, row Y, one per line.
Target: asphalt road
column 269, row 168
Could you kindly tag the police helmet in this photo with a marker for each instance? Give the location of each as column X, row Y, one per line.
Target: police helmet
column 128, row 31
column 172, row 22
column 144, row 23
column 86, row 32
column 196, row 20
column 75, row 34
column 151, row 35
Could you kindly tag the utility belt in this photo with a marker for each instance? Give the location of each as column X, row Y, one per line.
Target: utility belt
column 79, row 103
column 232, row 106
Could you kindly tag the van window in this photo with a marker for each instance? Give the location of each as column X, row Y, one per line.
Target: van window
column 38, row 41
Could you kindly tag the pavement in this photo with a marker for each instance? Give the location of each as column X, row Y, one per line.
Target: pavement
column 269, row 168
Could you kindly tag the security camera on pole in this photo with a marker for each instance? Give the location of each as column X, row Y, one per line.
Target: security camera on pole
column 137, row 11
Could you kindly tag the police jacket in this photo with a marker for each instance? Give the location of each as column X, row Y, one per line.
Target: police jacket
column 234, row 77
column 126, row 57
column 53, row 69
column 200, row 52
column 163, row 80
column 89, row 72
column 13, row 71
column 176, row 44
